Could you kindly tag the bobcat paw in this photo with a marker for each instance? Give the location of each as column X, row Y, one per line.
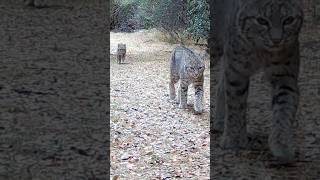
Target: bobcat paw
column 183, row 106
column 283, row 154
column 218, row 126
column 172, row 97
column 234, row 142
column 282, row 147
column 198, row 109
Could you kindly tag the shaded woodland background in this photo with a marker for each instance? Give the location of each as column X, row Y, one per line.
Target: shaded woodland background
column 182, row 19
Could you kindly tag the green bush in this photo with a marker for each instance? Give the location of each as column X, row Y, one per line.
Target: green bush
column 179, row 18
column 122, row 14
column 198, row 16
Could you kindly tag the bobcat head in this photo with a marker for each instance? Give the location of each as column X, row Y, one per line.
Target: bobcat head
column 122, row 46
column 195, row 67
column 269, row 24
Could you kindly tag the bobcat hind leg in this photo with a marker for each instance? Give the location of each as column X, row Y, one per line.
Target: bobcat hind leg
column 123, row 57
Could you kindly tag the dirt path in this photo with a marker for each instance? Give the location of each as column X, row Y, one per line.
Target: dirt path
column 150, row 137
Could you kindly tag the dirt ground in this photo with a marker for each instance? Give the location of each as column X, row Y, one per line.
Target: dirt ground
column 53, row 91
column 152, row 139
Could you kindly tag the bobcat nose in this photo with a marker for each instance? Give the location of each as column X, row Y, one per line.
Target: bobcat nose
column 276, row 41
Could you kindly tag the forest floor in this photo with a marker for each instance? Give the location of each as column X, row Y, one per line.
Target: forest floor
column 152, row 139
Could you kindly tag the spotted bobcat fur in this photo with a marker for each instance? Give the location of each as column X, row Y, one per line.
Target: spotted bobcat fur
column 253, row 35
column 187, row 68
column 121, row 52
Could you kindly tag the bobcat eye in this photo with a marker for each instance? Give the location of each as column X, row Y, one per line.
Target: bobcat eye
column 288, row 20
column 262, row 21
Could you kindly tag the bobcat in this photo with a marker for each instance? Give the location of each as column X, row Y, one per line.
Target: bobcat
column 254, row 35
column 187, row 67
column 121, row 52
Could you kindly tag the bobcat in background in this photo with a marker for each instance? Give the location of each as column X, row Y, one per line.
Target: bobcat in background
column 121, row 52
column 187, row 67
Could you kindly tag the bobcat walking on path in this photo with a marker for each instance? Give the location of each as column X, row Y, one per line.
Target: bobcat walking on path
column 254, row 35
column 121, row 52
column 187, row 68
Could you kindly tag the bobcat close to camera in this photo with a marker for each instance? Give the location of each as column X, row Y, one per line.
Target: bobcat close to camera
column 121, row 52
column 187, row 68
column 254, row 35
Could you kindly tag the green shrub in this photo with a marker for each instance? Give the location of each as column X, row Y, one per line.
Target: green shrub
column 179, row 18
column 198, row 16
column 122, row 14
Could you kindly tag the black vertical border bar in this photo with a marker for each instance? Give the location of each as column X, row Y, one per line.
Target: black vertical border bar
column 29, row 104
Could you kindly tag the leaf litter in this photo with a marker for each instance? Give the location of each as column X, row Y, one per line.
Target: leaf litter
column 151, row 138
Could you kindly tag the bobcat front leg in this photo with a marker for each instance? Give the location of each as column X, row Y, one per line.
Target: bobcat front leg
column 183, row 94
column 236, row 93
column 172, row 90
column 119, row 59
column 198, row 90
column 285, row 101
column 123, row 57
column 218, row 123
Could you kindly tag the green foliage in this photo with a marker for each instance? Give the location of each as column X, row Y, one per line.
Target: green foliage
column 198, row 16
column 176, row 17
column 145, row 12
column 170, row 14
column 122, row 11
